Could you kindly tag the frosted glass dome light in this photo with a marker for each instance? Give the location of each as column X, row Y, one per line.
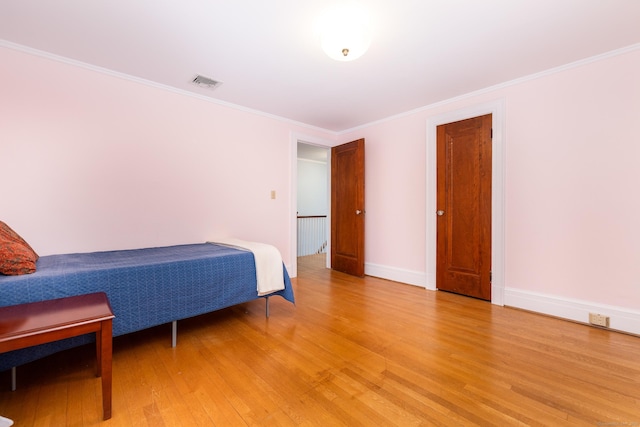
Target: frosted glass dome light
column 345, row 32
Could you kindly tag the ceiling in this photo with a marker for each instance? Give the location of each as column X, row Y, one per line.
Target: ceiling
column 268, row 57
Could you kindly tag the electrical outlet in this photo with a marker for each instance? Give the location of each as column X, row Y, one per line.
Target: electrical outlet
column 599, row 319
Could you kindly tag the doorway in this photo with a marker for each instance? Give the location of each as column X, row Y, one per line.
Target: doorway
column 312, row 210
column 343, row 209
column 496, row 109
column 464, row 207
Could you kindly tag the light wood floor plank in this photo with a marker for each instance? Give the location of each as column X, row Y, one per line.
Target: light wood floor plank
column 351, row 352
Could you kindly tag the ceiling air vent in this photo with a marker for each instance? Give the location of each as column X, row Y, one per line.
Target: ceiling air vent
column 205, row 82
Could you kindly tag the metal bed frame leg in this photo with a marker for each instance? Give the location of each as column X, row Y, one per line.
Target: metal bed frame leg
column 174, row 333
column 174, row 325
column 13, row 379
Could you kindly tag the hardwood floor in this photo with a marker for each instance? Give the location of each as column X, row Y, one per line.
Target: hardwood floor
column 353, row 351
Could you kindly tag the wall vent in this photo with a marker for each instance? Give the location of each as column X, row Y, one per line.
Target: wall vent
column 205, row 82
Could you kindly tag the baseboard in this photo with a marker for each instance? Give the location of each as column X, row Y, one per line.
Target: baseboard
column 621, row 319
column 415, row 278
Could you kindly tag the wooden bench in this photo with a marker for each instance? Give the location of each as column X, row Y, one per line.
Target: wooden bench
column 30, row 324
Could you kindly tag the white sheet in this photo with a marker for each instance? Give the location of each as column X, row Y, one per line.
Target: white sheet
column 269, row 272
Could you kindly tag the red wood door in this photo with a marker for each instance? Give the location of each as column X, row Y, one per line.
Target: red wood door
column 463, row 258
column 347, row 208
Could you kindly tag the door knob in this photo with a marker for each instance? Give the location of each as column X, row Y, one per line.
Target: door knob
column 439, row 213
column 358, row 211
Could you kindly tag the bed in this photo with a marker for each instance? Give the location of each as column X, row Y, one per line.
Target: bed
column 146, row 287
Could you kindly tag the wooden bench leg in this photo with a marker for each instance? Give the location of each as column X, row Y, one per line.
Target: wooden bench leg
column 104, row 356
column 99, row 352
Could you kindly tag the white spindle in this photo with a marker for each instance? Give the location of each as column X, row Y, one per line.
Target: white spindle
column 312, row 232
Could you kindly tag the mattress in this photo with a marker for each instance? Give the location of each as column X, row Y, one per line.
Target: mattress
column 146, row 287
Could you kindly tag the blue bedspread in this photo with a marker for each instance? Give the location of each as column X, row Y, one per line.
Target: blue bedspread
column 146, row 287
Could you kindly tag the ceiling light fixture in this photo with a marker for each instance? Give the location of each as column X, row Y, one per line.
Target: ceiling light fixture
column 345, row 32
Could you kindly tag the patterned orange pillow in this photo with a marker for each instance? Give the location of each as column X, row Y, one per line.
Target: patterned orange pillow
column 16, row 256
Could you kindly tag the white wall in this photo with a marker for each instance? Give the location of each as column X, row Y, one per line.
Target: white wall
column 90, row 162
column 572, row 235
column 312, row 188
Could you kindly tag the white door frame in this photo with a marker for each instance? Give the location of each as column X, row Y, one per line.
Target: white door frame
column 496, row 109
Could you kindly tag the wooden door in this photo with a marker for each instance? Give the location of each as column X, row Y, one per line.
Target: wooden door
column 463, row 258
column 347, row 208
